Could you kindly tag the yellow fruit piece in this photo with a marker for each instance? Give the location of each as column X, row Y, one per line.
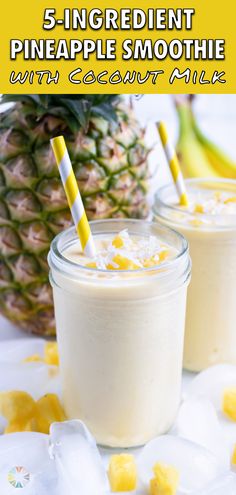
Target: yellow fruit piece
column 49, row 410
column 230, row 200
column 16, row 404
column 199, row 208
column 122, row 473
column 18, row 408
column 16, row 426
column 33, row 358
column 118, row 242
column 24, row 414
column 195, row 222
column 163, row 254
column 153, row 261
column 165, row 481
column 148, row 263
column 229, row 403
column 233, row 458
column 51, row 355
column 92, row 264
column 123, row 263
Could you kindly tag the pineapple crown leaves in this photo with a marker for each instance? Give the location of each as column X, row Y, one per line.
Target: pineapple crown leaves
column 75, row 109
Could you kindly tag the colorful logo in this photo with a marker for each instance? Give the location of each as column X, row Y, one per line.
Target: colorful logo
column 18, row 477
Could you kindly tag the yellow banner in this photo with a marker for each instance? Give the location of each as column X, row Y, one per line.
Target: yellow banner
column 145, row 47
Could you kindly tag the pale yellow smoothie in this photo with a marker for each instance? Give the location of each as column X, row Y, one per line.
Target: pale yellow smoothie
column 120, row 326
column 209, row 224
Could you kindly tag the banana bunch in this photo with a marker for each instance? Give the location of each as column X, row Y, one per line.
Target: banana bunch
column 198, row 156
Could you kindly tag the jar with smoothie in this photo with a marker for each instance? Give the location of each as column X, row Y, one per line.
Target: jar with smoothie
column 209, row 224
column 120, row 326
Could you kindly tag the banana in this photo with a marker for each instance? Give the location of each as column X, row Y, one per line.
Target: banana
column 193, row 159
column 218, row 159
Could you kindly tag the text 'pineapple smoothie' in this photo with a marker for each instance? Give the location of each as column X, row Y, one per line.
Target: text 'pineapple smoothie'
column 209, row 224
column 120, row 326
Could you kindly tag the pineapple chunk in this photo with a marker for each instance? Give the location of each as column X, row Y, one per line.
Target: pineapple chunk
column 123, row 263
column 165, row 481
column 149, row 262
column 51, row 355
column 49, row 410
column 33, row 358
column 17, row 426
column 18, row 408
column 122, row 473
column 155, row 260
column 24, row 414
column 229, row 403
column 118, row 242
column 163, row 254
column 233, row 458
column 199, row 208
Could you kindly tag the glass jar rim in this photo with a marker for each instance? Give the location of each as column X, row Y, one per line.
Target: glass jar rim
column 160, row 203
column 57, row 260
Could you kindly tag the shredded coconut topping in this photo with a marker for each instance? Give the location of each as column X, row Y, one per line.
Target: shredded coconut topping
column 209, row 207
column 124, row 251
column 134, row 250
column 217, row 203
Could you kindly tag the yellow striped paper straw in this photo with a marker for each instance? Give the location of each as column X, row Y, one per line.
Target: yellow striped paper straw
column 73, row 196
column 173, row 164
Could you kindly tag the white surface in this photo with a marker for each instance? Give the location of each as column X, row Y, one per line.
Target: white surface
column 198, row 420
column 9, row 331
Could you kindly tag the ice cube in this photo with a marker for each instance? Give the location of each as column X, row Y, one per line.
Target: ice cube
column 79, row 464
column 224, row 485
column 36, row 378
column 197, row 421
column 25, row 463
column 228, row 429
column 212, row 382
column 196, row 465
column 15, row 351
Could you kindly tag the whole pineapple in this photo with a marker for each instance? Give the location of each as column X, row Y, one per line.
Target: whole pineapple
column 110, row 162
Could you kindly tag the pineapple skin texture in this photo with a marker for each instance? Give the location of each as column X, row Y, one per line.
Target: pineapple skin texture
column 110, row 164
column 122, row 473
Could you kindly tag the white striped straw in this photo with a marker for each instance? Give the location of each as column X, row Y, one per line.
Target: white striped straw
column 73, row 196
column 173, row 164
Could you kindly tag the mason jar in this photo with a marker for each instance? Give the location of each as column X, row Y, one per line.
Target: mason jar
column 120, row 336
column 210, row 336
